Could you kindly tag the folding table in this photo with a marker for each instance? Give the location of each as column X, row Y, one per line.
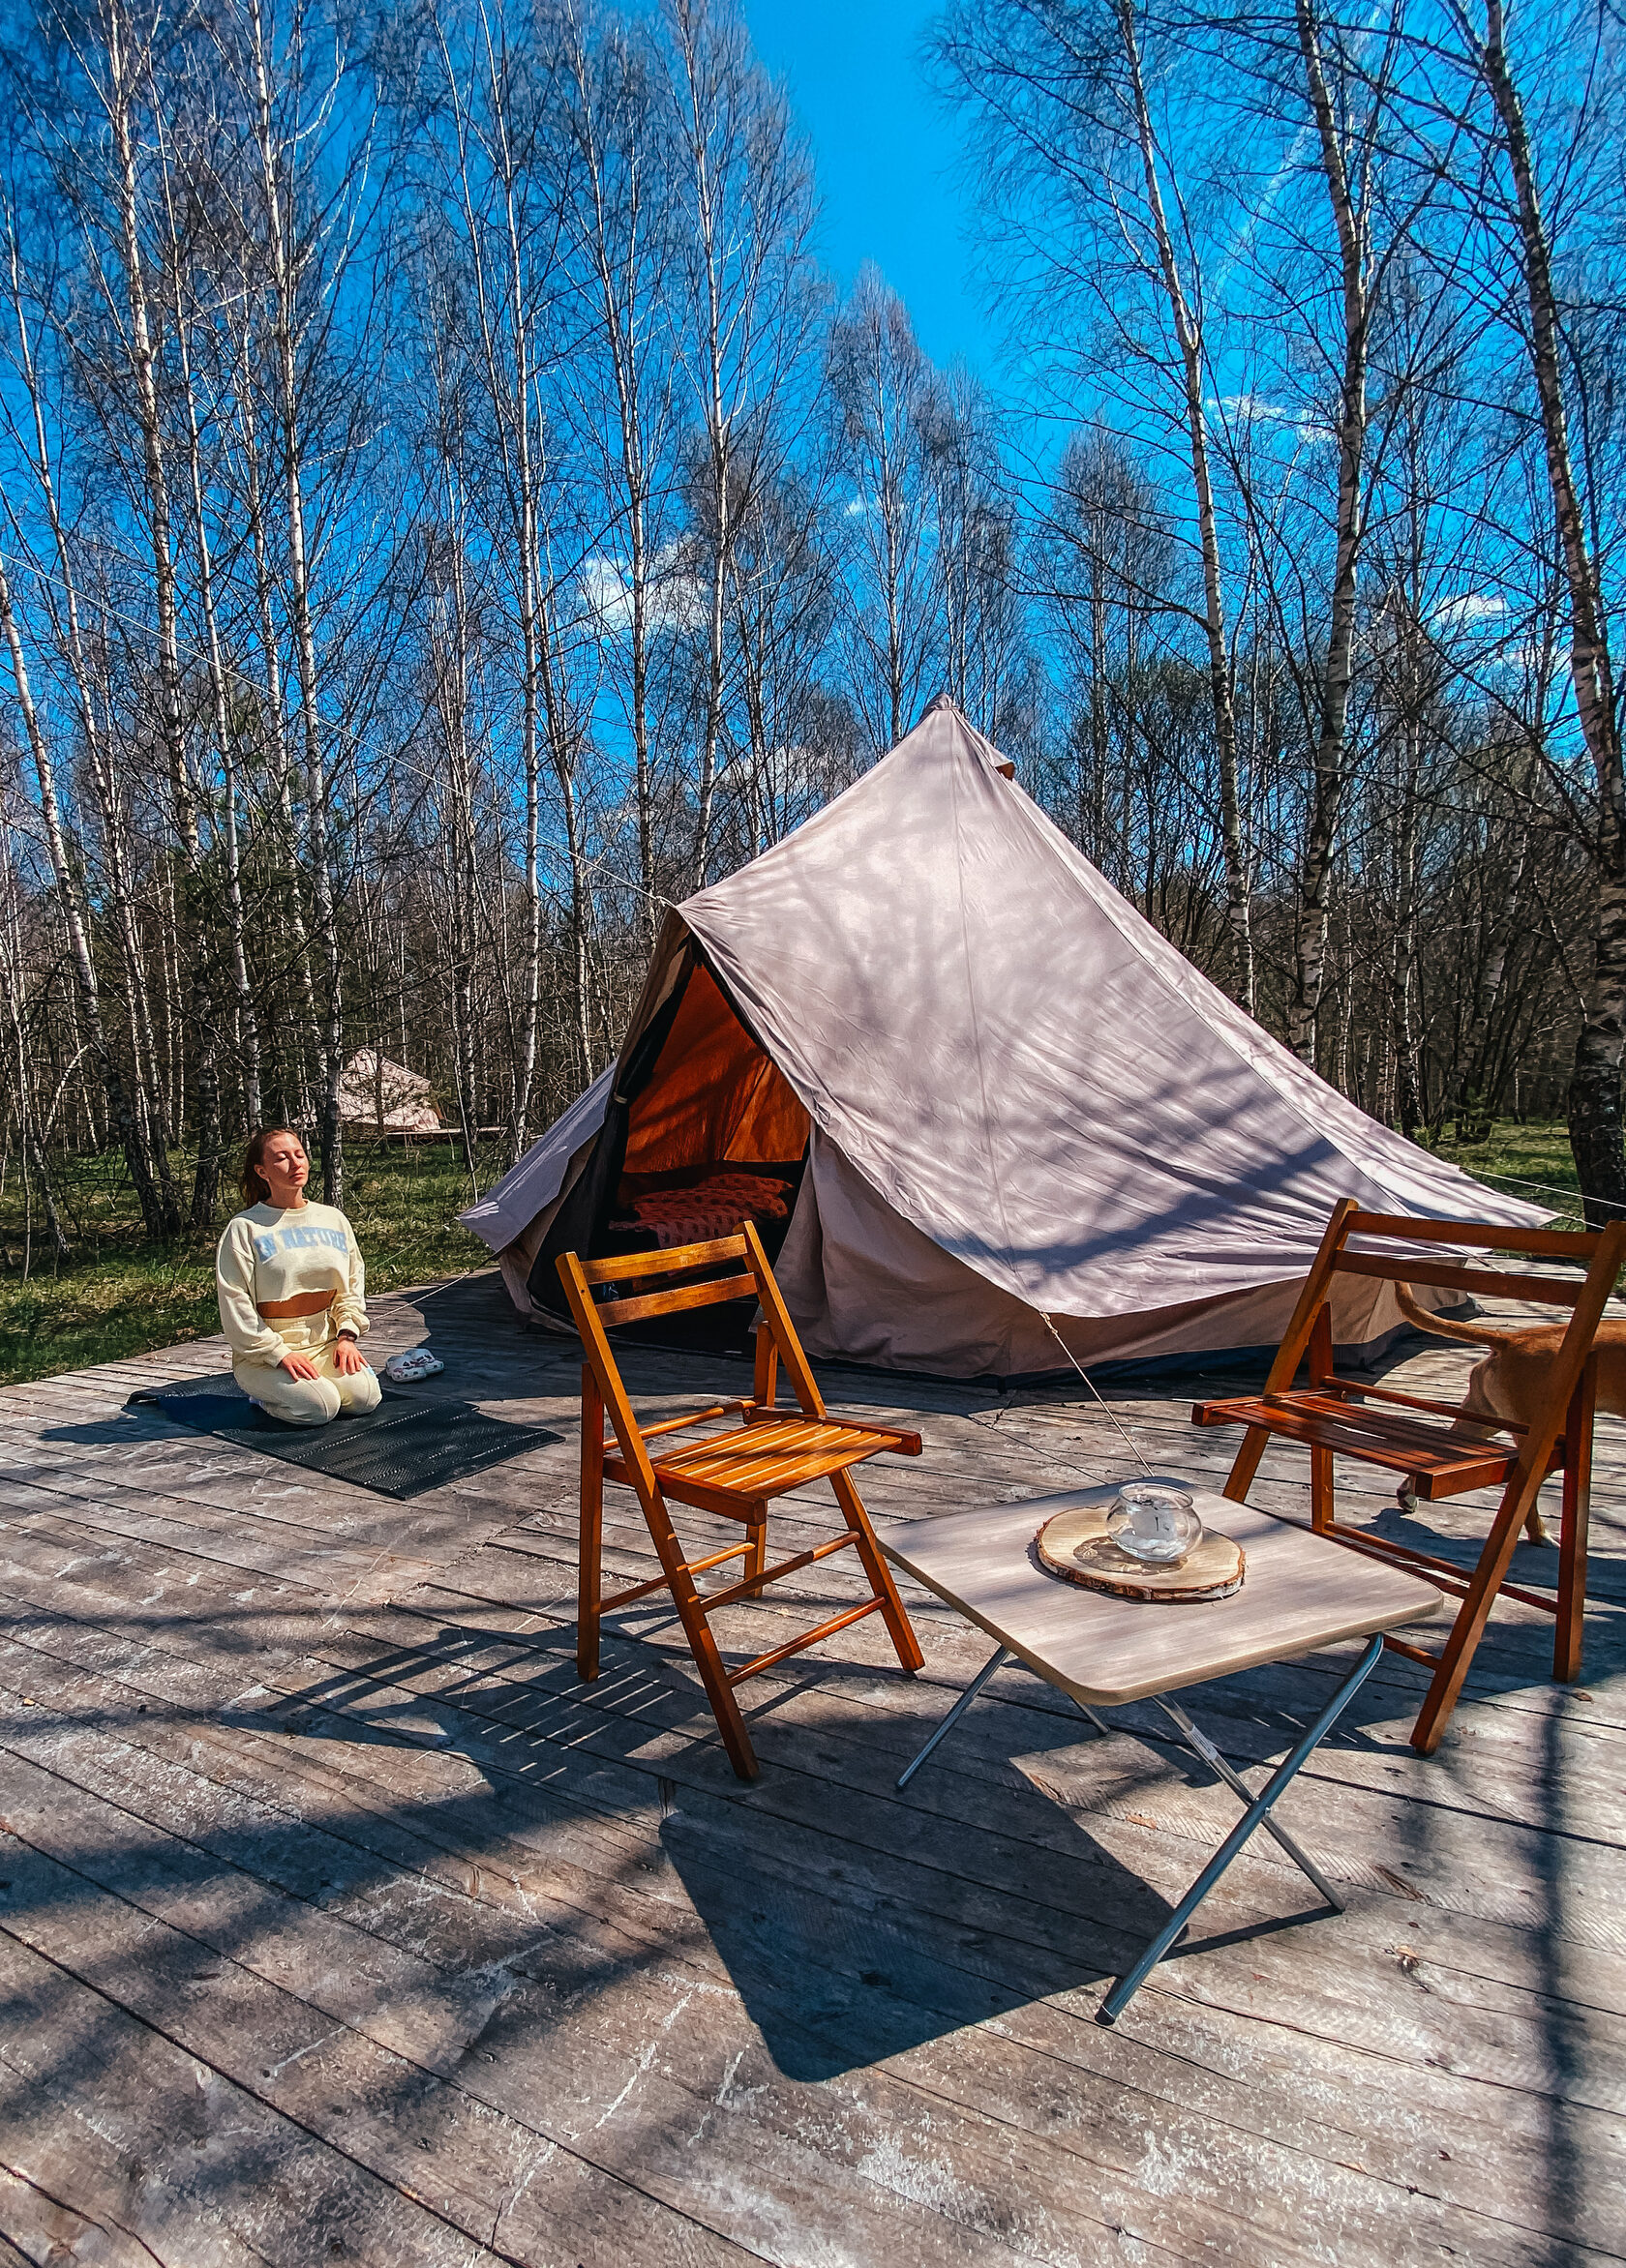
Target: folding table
column 1300, row 1593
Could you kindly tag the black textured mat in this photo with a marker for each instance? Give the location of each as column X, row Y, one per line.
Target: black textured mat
column 403, row 1448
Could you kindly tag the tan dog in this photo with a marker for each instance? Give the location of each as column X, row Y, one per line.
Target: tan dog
column 1512, row 1381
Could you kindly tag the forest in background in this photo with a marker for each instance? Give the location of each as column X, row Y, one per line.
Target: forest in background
column 447, row 514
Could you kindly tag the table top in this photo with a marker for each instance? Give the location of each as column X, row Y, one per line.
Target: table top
column 1300, row 1591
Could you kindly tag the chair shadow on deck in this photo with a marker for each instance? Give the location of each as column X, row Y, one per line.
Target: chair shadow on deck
column 854, row 1924
column 1517, row 1649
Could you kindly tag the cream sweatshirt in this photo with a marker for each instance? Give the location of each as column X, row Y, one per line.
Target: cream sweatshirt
column 272, row 1253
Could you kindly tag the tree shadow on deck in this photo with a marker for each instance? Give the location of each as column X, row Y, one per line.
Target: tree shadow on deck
column 854, row 1924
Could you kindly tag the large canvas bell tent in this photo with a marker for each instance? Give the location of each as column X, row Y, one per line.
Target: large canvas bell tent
column 977, row 1102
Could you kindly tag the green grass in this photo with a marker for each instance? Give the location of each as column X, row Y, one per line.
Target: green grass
column 1531, row 1161
column 120, row 1295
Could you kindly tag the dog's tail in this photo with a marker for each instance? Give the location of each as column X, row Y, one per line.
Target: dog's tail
column 1471, row 1334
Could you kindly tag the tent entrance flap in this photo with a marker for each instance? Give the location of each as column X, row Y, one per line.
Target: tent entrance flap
column 713, row 1097
column 702, row 1131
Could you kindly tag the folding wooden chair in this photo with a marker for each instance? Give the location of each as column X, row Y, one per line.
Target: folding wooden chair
column 1331, row 1417
column 736, row 1473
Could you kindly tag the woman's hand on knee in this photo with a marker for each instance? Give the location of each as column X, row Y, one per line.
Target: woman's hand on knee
column 299, row 1367
column 346, row 1357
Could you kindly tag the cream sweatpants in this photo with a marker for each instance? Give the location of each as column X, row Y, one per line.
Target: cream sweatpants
column 308, row 1401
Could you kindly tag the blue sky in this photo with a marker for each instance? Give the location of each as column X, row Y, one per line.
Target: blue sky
column 884, row 155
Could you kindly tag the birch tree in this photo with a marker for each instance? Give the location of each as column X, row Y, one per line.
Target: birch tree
column 1561, row 379
column 884, row 392
column 1064, row 113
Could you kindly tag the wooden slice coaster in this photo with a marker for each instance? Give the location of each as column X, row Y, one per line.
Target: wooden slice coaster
column 1075, row 1546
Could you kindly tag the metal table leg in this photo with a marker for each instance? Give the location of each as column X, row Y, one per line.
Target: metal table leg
column 1257, row 1815
column 1198, row 1740
column 999, row 1654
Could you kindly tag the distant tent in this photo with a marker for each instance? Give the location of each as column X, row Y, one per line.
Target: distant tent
column 988, row 1093
column 374, row 1091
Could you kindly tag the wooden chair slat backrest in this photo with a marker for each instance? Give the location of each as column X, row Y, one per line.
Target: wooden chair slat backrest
column 638, row 1307
column 1308, row 1332
column 1494, row 1283
column 1477, row 1235
column 651, row 1263
column 748, row 1278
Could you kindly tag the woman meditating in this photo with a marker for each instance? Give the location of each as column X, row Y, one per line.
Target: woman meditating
column 292, row 1287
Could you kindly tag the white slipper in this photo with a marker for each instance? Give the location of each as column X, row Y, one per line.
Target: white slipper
column 418, row 1362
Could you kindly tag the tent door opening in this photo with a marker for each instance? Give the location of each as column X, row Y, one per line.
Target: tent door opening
column 703, row 1132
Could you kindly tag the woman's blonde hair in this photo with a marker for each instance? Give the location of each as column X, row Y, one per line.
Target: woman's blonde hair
column 256, row 1188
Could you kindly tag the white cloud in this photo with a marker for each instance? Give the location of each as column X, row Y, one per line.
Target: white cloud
column 1474, row 605
column 1254, row 409
column 674, row 602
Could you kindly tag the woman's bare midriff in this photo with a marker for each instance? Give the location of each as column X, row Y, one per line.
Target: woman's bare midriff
column 305, row 1304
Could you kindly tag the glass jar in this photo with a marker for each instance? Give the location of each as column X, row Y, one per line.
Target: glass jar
column 1155, row 1522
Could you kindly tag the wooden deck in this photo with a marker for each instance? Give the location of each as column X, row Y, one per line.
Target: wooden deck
column 339, row 1924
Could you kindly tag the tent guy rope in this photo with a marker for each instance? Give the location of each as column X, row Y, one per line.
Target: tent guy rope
column 1134, row 1445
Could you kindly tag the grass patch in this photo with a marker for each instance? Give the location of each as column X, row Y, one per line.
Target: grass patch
column 120, row 1295
column 1531, row 1161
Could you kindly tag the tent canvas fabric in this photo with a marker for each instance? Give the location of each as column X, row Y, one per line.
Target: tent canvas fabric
column 374, row 1091
column 1028, row 1117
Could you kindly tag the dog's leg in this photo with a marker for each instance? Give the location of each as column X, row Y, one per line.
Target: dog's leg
column 1482, row 1401
column 1478, row 1402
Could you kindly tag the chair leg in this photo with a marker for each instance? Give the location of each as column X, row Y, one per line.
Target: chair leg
column 590, row 1573
column 1241, row 1479
column 1571, row 1533
column 701, row 1645
column 1473, row 1614
column 881, row 1583
column 1320, row 1490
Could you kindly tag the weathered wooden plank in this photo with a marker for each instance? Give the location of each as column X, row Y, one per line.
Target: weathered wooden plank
column 930, row 1897
column 157, row 2142
column 435, row 1756
column 754, row 2087
column 400, row 1995
column 50, row 2231
column 434, row 1731
column 597, row 2077
column 412, row 2108
column 1590, row 1781
column 829, row 1752
column 1353, row 1818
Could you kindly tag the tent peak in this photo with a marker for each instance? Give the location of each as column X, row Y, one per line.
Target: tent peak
column 943, row 704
